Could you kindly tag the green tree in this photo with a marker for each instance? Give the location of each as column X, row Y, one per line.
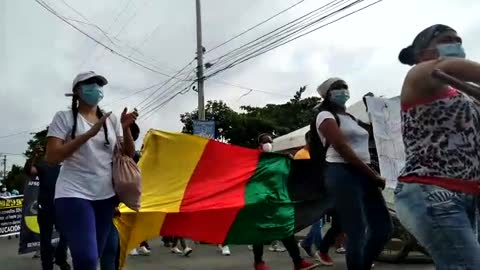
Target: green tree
column 16, row 178
column 242, row 128
column 39, row 140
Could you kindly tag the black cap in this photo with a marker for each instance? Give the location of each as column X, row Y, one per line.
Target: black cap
column 408, row 55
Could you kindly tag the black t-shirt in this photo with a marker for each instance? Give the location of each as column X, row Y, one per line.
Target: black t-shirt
column 47, row 176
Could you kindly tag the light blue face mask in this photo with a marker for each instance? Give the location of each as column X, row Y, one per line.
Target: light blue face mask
column 91, row 94
column 339, row 96
column 451, row 50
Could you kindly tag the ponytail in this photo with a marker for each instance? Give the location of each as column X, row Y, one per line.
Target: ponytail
column 75, row 114
column 105, row 130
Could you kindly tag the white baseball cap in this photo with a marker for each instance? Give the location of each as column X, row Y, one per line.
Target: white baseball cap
column 323, row 88
column 81, row 77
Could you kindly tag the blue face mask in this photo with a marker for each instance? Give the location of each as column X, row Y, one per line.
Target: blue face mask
column 339, row 97
column 451, row 50
column 91, row 94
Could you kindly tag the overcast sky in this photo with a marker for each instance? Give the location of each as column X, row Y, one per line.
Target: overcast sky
column 40, row 54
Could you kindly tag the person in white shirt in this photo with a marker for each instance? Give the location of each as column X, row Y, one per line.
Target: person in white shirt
column 83, row 138
column 349, row 180
column 4, row 192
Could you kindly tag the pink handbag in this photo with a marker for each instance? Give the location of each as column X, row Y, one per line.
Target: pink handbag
column 127, row 180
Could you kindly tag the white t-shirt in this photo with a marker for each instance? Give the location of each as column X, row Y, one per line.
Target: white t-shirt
column 87, row 174
column 356, row 137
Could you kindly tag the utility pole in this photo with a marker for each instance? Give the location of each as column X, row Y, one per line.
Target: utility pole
column 4, row 167
column 200, row 79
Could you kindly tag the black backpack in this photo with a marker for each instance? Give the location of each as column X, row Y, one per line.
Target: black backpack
column 318, row 151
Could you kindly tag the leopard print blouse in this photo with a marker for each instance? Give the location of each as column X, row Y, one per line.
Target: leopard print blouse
column 442, row 138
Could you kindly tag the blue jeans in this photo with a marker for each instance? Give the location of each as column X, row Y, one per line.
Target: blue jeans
column 314, row 236
column 363, row 214
column 109, row 259
column 444, row 222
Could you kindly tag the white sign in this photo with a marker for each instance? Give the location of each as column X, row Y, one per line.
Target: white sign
column 387, row 129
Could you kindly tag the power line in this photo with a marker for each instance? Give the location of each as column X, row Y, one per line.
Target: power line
column 249, row 88
column 48, row 8
column 258, row 40
column 163, row 84
column 151, row 112
column 259, row 52
column 282, row 32
column 255, row 26
column 22, row 132
column 290, row 31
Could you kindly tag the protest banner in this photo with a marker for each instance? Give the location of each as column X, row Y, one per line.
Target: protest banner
column 30, row 230
column 10, row 215
column 387, row 130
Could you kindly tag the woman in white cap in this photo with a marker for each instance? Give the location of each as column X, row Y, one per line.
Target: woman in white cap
column 353, row 185
column 83, row 138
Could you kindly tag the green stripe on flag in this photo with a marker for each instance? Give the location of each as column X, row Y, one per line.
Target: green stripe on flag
column 269, row 213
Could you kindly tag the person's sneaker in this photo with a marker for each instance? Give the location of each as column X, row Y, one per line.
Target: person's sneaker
column 226, row 251
column 260, row 266
column 187, row 251
column 276, row 247
column 134, row 252
column 341, row 250
column 305, row 265
column 143, row 251
column 304, row 249
column 176, row 250
column 36, row 255
column 64, row 266
column 325, row 259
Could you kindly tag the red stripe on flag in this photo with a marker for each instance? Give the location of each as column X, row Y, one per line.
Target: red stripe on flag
column 215, row 193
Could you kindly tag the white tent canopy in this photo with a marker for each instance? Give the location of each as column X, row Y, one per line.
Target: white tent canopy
column 296, row 138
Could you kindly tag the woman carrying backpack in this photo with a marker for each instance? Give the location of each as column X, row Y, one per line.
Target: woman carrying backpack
column 437, row 195
column 83, row 138
column 349, row 180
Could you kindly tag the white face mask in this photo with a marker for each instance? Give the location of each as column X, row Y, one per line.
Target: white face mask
column 267, row 147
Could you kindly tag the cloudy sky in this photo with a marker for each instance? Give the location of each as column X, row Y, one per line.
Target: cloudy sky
column 40, row 54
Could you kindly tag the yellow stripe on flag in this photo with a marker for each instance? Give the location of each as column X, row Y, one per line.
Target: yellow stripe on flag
column 168, row 162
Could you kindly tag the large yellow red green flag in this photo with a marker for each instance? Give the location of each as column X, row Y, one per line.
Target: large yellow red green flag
column 218, row 193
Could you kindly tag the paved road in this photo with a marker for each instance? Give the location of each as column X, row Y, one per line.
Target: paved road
column 205, row 257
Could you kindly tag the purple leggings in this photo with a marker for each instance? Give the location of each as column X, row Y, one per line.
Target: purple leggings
column 85, row 225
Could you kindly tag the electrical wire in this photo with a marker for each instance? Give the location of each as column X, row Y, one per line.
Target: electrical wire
column 288, row 41
column 272, row 33
column 152, row 111
column 255, row 26
column 48, row 8
column 249, row 88
column 295, row 30
column 290, row 29
column 21, row 132
column 149, row 97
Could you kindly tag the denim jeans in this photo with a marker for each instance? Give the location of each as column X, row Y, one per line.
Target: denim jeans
column 444, row 222
column 109, row 260
column 314, row 236
column 363, row 214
